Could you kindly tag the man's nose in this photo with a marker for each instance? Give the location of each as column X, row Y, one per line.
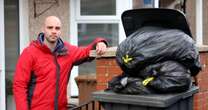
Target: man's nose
column 54, row 30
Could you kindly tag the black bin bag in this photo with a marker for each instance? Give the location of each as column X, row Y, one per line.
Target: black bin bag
column 128, row 85
column 152, row 44
column 166, row 77
column 169, row 77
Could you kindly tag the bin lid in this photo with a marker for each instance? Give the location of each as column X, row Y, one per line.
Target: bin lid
column 168, row 18
column 150, row 100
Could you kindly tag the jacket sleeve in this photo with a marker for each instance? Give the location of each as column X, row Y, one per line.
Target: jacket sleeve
column 81, row 54
column 21, row 80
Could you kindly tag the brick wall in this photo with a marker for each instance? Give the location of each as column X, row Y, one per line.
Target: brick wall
column 201, row 98
column 107, row 68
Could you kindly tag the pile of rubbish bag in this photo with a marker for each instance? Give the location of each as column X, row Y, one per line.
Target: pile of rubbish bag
column 156, row 60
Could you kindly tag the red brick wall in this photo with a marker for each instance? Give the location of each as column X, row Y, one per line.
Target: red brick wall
column 201, row 98
column 106, row 68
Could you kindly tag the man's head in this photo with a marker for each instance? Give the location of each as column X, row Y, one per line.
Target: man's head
column 52, row 29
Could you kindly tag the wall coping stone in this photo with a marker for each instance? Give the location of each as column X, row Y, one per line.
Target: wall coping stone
column 111, row 51
column 203, row 48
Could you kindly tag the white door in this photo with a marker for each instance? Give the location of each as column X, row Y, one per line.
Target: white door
column 11, row 42
column 2, row 63
column 95, row 18
column 14, row 36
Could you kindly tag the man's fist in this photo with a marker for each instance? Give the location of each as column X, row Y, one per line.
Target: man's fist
column 101, row 48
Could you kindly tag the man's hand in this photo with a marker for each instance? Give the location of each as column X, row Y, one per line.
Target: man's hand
column 101, row 48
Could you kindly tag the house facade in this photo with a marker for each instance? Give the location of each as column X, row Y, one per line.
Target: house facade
column 82, row 20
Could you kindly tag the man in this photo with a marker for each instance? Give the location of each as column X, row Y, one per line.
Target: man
column 43, row 69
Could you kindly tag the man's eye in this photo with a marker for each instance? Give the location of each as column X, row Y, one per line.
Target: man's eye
column 58, row 28
column 50, row 27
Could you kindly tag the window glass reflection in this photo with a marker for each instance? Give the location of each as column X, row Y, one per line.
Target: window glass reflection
column 98, row 7
column 88, row 32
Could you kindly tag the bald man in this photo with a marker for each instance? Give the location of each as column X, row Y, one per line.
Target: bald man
column 43, row 68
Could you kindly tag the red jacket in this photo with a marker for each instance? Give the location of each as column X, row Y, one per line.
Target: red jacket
column 41, row 76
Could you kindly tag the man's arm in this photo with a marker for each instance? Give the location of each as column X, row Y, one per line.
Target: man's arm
column 81, row 54
column 21, row 80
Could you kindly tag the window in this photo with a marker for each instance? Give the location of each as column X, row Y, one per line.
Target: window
column 88, row 32
column 96, row 18
column 145, row 4
column 98, row 7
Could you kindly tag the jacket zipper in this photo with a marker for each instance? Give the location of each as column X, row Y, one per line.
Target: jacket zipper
column 57, row 81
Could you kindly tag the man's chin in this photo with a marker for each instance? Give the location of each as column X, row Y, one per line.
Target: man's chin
column 53, row 40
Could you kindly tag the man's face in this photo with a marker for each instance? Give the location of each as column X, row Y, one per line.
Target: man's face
column 52, row 29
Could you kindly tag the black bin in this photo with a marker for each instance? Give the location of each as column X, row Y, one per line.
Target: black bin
column 177, row 101
column 135, row 19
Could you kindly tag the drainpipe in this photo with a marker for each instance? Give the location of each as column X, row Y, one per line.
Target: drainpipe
column 199, row 22
column 156, row 3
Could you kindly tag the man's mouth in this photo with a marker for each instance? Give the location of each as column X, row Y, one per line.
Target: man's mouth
column 53, row 36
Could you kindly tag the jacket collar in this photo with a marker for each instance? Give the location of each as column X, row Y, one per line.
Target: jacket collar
column 60, row 48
